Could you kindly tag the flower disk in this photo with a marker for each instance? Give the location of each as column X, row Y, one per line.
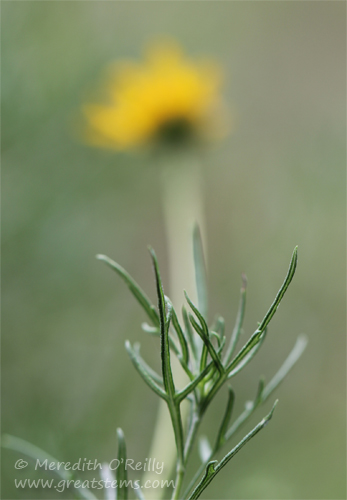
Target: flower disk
column 166, row 100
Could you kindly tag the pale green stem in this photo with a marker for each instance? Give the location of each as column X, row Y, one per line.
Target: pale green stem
column 182, row 208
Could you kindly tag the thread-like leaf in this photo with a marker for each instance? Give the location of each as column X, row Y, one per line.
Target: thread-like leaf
column 255, row 338
column 173, row 405
column 259, row 396
column 216, row 336
column 141, row 368
column 204, row 333
column 189, row 334
column 180, row 334
column 245, row 440
column 24, row 447
column 221, row 347
column 210, row 472
column 34, row 452
column 250, row 407
column 204, row 351
column 219, row 326
column 108, row 477
column 207, row 345
column 121, row 473
column 198, row 315
column 191, row 386
column 238, row 323
column 248, row 356
column 212, row 469
column 293, row 357
column 164, row 331
column 264, row 392
column 226, row 419
column 135, row 289
column 152, row 373
column 291, row 271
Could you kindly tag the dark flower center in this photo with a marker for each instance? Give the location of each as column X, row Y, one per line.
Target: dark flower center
column 175, row 132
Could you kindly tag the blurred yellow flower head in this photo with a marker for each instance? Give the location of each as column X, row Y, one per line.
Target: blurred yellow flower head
column 167, row 99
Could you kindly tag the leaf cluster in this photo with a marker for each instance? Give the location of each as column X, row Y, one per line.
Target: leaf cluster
column 209, row 361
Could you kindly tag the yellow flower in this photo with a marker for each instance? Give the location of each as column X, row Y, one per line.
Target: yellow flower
column 166, row 99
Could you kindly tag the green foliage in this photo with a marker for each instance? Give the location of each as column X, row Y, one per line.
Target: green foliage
column 207, row 366
column 201, row 352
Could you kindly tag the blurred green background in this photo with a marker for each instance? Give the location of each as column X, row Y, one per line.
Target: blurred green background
column 277, row 181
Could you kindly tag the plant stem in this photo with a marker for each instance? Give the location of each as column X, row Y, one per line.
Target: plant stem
column 179, row 481
column 191, row 434
column 193, row 428
column 182, row 208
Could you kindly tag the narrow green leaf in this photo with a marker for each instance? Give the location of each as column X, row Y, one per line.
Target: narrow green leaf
column 210, row 472
column 198, row 315
column 180, row 334
column 226, row 419
column 164, row 331
column 212, row 376
column 24, row 447
column 293, row 357
column 152, row 373
column 259, row 397
column 216, row 336
column 250, row 407
column 173, row 406
column 221, row 347
column 291, row 271
column 135, row 289
column 121, row 473
column 200, row 271
column 244, row 361
column 141, row 367
column 219, row 326
column 252, row 342
column 204, row 354
column 247, row 438
column 255, row 338
column 204, row 334
column 238, row 323
column 189, row 334
column 264, row 392
column 108, row 477
column 21, row 446
column 192, row 385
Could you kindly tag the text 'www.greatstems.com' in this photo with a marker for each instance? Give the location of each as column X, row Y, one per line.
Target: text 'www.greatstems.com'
column 61, row 485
